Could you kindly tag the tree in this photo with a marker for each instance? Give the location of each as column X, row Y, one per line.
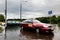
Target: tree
column 53, row 19
column 1, row 18
column 58, row 19
column 47, row 19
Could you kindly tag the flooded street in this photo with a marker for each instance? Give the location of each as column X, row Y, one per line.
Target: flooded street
column 15, row 33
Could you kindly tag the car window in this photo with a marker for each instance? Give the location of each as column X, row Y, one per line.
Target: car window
column 36, row 21
column 31, row 21
column 17, row 22
column 13, row 21
column 9, row 21
column 27, row 21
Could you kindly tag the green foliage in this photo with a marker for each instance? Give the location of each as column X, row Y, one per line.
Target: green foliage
column 1, row 18
column 58, row 20
column 54, row 20
column 47, row 19
column 1, row 29
column 43, row 19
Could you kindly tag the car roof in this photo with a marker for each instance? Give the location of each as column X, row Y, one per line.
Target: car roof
column 31, row 21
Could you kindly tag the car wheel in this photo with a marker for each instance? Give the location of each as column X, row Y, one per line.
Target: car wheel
column 50, row 31
column 37, row 30
column 22, row 27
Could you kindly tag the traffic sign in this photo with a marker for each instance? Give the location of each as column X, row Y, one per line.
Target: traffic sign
column 50, row 12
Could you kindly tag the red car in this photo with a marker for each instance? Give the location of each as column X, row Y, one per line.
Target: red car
column 37, row 26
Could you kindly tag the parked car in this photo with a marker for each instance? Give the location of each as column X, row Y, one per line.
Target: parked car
column 13, row 23
column 37, row 26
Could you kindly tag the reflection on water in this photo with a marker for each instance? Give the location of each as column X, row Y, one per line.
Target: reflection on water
column 12, row 33
column 31, row 35
column 16, row 33
column 59, row 26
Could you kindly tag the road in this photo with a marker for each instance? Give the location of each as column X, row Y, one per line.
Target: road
column 16, row 33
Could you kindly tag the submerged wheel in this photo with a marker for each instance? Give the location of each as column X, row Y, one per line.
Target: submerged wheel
column 37, row 30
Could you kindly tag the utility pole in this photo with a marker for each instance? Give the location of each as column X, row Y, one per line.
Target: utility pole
column 21, row 10
column 50, row 12
column 5, row 13
column 5, row 18
column 21, row 5
column 50, row 18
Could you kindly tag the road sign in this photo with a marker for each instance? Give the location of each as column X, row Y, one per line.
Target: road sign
column 50, row 12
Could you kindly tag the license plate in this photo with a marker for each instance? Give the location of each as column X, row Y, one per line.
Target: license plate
column 30, row 25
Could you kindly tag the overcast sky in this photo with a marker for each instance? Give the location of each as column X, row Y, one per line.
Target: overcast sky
column 30, row 8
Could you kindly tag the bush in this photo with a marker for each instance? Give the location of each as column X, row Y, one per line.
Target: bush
column 1, row 29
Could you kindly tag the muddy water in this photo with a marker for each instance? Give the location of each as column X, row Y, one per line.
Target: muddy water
column 16, row 33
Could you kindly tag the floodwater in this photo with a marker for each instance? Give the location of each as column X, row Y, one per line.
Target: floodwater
column 16, row 33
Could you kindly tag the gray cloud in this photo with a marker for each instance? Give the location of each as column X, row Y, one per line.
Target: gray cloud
column 1, row 6
column 31, row 8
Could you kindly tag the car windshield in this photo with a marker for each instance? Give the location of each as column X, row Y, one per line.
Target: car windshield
column 31, row 21
column 36, row 21
column 27, row 21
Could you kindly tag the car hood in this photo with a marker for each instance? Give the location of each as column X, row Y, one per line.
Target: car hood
column 46, row 25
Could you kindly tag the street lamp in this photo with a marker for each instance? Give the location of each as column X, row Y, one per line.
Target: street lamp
column 5, row 13
column 21, row 10
column 50, row 12
column 5, row 18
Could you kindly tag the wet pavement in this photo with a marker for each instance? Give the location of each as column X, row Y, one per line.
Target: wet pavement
column 16, row 33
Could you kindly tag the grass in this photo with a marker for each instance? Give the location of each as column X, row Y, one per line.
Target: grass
column 1, row 29
column 59, row 24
